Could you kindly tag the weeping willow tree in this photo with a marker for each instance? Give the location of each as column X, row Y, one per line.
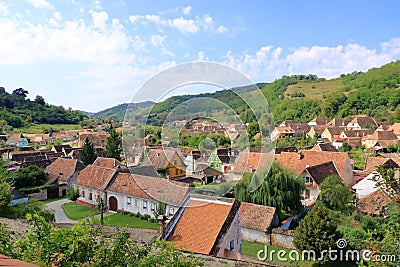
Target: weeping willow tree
column 280, row 189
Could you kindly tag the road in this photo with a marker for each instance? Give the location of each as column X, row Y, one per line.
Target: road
column 58, row 212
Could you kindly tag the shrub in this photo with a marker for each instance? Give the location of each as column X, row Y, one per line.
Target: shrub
column 145, row 216
column 73, row 194
column 124, row 212
column 138, row 215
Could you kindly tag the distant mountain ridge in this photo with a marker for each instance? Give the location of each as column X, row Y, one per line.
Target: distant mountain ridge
column 118, row 112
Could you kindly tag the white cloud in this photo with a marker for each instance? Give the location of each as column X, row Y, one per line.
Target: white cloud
column 99, row 18
column 270, row 62
column 183, row 25
column 3, row 9
column 41, row 4
column 57, row 16
column 186, row 10
column 157, row 40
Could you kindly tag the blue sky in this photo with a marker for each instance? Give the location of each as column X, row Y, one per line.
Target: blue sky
column 90, row 55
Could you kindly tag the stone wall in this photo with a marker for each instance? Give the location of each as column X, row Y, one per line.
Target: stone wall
column 42, row 195
column 282, row 238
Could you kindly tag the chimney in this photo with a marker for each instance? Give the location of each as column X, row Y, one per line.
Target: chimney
column 161, row 225
column 300, row 156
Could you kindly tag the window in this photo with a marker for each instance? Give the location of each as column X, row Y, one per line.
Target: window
column 308, row 180
column 175, row 162
column 171, row 211
column 176, row 171
column 129, row 201
column 232, row 245
column 153, row 207
column 145, row 204
column 136, row 202
column 83, row 193
column 90, row 196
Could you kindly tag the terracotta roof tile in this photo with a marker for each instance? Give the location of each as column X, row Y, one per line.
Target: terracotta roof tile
column 299, row 161
column 371, row 163
column 336, row 122
column 126, row 184
column 16, row 137
column 380, row 136
column 161, row 158
column 61, row 168
column 365, row 121
column 107, row 162
column 95, row 177
column 251, row 159
column 321, row 171
column 199, row 225
column 395, row 128
column 324, row 147
column 320, row 120
column 371, row 203
column 257, row 217
column 7, row 261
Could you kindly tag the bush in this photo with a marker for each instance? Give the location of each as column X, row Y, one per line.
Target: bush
column 146, row 217
column 132, row 214
column 124, row 212
column 138, row 215
column 73, row 194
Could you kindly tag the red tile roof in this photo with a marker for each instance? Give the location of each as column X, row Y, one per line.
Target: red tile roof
column 395, row 128
column 107, row 162
column 372, row 203
column 16, row 137
column 61, row 168
column 126, row 184
column 371, row 163
column 95, row 177
column 299, row 161
column 381, row 135
column 199, row 225
column 7, row 261
column 161, row 158
column 257, row 217
column 252, row 158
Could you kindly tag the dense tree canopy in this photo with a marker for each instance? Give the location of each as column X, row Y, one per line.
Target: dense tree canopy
column 113, row 146
column 88, row 154
column 336, row 195
column 280, row 189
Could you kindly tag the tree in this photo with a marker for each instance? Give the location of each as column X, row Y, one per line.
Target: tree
column 5, row 195
column 113, row 147
column 317, row 231
column 88, row 154
column 345, row 147
column 280, row 188
column 20, row 92
column 29, row 177
column 336, row 195
column 40, row 100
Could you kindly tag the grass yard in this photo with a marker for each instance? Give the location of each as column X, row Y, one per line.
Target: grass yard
column 77, row 212
column 39, row 128
column 359, row 157
column 314, row 90
column 119, row 219
column 252, row 248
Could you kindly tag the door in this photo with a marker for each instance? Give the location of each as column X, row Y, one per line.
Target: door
column 113, row 203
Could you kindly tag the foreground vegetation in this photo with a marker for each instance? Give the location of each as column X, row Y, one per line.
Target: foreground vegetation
column 80, row 245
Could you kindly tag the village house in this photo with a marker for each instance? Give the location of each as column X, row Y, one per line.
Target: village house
column 327, row 147
column 97, row 138
column 337, row 122
column 38, row 139
column 62, row 172
column 298, row 162
column 290, row 128
column 252, row 159
column 65, row 149
column 367, row 185
column 395, row 128
column 168, row 162
column 374, row 203
column 379, row 140
column 314, row 176
column 257, row 222
column 331, row 133
column 372, row 163
column 319, row 121
column 136, row 193
column 353, row 137
column 18, row 140
column 316, row 131
column 17, row 197
column 92, row 183
column 279, row 150
column 362, row 122
column 206, row 225
column 107, row 162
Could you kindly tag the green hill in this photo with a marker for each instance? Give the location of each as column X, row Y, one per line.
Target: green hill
column 118, row 112
column 18, row 111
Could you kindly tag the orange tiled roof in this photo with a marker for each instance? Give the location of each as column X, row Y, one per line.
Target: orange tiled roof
column 371, row 203
column 395, row 128
column 7, row 261
column 371, row 163
column 95, row 177
column 125, row 183
column 250, row 158
column 199, row 225
column 257, row 217
column 160, row 158
column 16, row 137
column 61, row 168
column 299, row 161
column 107, row 162
column 381, row 135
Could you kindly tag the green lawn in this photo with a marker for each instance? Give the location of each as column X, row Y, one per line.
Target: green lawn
column 39, row 128
column 252, row 248
column 119, row 219
column 77, row 212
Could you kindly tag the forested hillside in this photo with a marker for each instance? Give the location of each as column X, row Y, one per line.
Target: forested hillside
column 16, row 110
column 302, row 97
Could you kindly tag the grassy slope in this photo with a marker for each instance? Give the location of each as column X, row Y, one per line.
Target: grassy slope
column 314, row 90
column 39, row 128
